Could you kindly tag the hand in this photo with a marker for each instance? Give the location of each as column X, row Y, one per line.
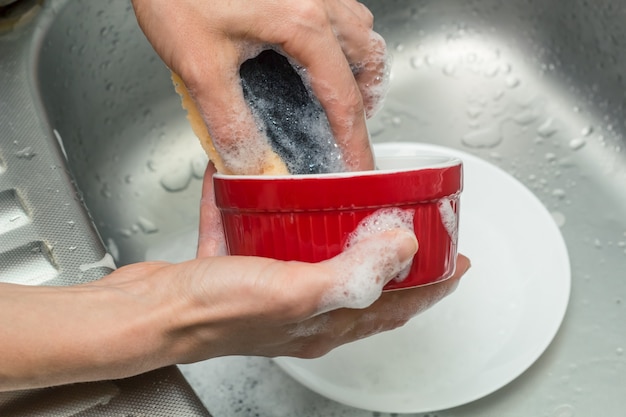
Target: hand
column 153, row 314
column 205, row 42
column 296, row 309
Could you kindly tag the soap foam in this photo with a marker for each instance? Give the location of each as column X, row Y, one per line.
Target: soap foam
column 448, row 218
column 374, row 92
column 322, row 154
column 311, row 327
column 381, row 221
column 369, row 262
column 236, row 130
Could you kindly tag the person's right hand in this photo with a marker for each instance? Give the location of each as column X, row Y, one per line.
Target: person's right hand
column 205, row 43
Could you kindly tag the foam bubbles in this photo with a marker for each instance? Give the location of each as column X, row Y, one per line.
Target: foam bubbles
column 307, row 329
column 374, row 92
column 368, row 263
column 237, row 129
column 381, row 221
column 448, row 218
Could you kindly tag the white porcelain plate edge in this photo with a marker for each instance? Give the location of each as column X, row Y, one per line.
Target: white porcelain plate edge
column 503, row 316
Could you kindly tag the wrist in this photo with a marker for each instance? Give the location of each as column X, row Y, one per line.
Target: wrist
column 110, row 329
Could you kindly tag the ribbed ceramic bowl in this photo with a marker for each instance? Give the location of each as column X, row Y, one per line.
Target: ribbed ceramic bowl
column 310, row 217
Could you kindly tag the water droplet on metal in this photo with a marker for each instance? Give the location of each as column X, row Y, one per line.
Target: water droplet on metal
column 198, row 165
column 550, row 157
column 449, row 70
column 152, row 165
column 177, row 179
column 564, row 410
column 416, row 62
column 559, row 218
column 106, row 262
column 587, row 130
column 485, row 138
column 105, row 191
column 146, row 225
column 512, row 81
column 26, row 153
column 113, row 249
column 559, row 193
column 577, row 143
column 547, row 128
column 526, row 117
column 474, row 111
column 495, row 156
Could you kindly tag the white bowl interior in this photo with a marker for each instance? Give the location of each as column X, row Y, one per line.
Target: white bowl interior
column 384, row 164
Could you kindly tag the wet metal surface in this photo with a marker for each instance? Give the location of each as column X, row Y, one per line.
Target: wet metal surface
column 535, row 87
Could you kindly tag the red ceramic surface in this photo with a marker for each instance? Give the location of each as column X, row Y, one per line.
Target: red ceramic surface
column 310, row 217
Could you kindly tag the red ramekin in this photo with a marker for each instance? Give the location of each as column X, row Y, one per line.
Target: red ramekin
column 310, row 217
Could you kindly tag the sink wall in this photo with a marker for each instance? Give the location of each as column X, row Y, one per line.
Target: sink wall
column 535, row 87
column 128, row 143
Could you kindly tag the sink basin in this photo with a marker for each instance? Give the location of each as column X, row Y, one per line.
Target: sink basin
column 535, row 87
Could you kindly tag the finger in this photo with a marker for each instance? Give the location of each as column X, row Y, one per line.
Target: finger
column 361, row 11
column 408, row 303
column 362, row 270
column 215, row 86
column 322, row 333
column 372, row 75
column 211, row 241
column 334, row 85
column 394, row 308
column 331, row 79
column 366, row 52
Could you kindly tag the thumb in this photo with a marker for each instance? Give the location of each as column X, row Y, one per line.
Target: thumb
column 363, row 270
column 211, row 240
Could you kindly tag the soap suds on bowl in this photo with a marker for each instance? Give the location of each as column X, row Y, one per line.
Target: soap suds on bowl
column 367, row 263
column 448, row 217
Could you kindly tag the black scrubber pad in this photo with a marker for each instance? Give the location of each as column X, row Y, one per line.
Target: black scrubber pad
column 292, row 117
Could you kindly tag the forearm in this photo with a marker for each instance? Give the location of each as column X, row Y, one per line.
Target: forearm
column 149, row 315
column 57, row 335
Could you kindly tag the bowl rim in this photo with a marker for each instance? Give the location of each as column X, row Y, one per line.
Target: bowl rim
column 438, row 161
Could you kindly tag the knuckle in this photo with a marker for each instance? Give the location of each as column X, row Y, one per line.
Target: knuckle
column 299, row 299
column 352, row 102
column 310, row 11
column 314, row 350
column 368, row 16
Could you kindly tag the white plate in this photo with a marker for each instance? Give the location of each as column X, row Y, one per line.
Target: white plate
column 504, row 314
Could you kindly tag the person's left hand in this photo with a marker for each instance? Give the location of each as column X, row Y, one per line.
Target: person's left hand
column 153, row 314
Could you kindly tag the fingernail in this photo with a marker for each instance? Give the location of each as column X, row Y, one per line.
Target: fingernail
column 467, row 268
column 407, row 246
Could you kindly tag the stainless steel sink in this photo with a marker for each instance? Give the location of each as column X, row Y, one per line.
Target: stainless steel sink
column 536, row 87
